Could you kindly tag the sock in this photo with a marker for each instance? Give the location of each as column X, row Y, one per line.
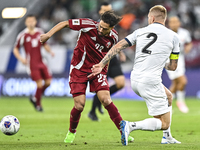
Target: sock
column 95, row 103
column 38, row 95
column 180, row 96
column 74, row 119
column 151, row 124
column 167, row 133
column 114, row 114
column 113, row 89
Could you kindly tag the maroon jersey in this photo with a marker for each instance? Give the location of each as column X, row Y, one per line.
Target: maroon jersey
column 32, row 46
column 91, row 47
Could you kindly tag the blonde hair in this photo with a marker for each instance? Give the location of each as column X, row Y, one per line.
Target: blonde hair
column 159, row 12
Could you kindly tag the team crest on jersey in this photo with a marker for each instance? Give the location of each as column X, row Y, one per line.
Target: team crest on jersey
column 75, row 22
column 108, row 44
column 93, row 38
column 28, row 39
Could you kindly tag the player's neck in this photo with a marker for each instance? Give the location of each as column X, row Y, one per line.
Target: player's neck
column 31, row 31
column 159, row 22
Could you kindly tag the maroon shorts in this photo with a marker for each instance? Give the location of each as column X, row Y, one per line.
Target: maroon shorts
column 40, row 73
column 78, row 82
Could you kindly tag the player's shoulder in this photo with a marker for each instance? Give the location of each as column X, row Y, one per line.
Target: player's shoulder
column 22, row 33
column 114, row 34
column 183, row 31
column 88, row 21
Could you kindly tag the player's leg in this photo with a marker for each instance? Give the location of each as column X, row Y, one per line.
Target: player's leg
column 95, row 103
column 167, row 137
column 173, row 87
column 47, row 77
column 38, row 94
column 79, row 103
column 182, row 81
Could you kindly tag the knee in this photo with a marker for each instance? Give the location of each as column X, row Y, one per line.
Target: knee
column 79, row 106
column 47, row 83
column 105, row 100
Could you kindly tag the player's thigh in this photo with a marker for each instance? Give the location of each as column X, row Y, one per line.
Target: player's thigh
column 120, row 81
column 47, row 82
column 77, row 89
column 182, row 80
column 155, row 98
column 46, row 74
column 35, row 74
column 104, row 97
column 79, row 102
column 99, row 83
column 134, row 87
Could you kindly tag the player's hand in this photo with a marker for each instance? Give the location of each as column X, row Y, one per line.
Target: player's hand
column 122, row 57
column 96, row 69
column 52, row 54
column 24, row 61
column 44, row 38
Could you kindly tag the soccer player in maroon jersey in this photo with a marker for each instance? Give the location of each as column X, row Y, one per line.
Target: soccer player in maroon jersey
column 94, row 41
column 29, row 38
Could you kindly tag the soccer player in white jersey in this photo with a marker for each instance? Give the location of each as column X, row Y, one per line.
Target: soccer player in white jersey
column 178, row 77
column 154, row 45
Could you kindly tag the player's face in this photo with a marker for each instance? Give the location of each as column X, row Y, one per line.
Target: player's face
column 174, row 24
column 30, row 22
column 104, row 28
column 105, row 8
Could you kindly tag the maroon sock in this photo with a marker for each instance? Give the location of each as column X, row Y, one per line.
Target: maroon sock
column 38, row 95
column 74, row 119
column 114, row 114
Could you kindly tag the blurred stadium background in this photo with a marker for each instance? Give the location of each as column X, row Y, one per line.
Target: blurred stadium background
column 13, row 78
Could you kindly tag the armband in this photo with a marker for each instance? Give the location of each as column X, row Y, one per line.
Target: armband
column 174, row 56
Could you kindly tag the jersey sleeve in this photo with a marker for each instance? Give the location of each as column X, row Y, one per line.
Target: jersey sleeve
column 19, row 41
column 77, row 24
column 176, row 48
column 131, row 38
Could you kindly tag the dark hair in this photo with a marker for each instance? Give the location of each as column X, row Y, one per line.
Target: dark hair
column 103, row 4
column 31, row 15
column 111, row 18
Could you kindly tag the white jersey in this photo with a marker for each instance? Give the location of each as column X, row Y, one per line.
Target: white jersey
column 154, row 44
column 184, row 38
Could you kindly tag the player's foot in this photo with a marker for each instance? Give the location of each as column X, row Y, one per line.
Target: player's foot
column 39, row 108
column 124, row 126
column 100, row 109
column 170, row 140
column 33, row 101
column 130, row 139
column 69, row 137
column 93, row 116
column 182, row 106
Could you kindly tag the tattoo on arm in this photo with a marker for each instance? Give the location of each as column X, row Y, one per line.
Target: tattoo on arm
column 114, row 51
column 172, row 64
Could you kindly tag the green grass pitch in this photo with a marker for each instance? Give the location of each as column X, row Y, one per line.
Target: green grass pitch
column 47, row 130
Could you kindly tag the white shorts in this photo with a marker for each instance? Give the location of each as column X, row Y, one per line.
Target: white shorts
column 154, row 96
column 180, row 71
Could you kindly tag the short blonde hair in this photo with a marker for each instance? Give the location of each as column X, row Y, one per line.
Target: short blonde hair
column 159, row 12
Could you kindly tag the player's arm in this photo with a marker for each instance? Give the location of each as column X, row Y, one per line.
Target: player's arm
column 18, row 56
column 56, row 28
column 188, row 47
column 48, row 49
column 96, row 69
column 172, row 65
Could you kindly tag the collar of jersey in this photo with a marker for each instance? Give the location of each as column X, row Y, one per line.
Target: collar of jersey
column 158, row 23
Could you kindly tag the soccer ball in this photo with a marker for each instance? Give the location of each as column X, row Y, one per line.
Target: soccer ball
column 9, row 125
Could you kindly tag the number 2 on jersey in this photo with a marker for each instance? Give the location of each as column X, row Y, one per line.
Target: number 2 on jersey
column 145, row 50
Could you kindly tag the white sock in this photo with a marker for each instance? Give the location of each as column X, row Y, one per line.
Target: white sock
column 180, row 96
column 167, row 133
column 150, row 124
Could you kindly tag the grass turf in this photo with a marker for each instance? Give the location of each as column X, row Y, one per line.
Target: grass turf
column 47, row 130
